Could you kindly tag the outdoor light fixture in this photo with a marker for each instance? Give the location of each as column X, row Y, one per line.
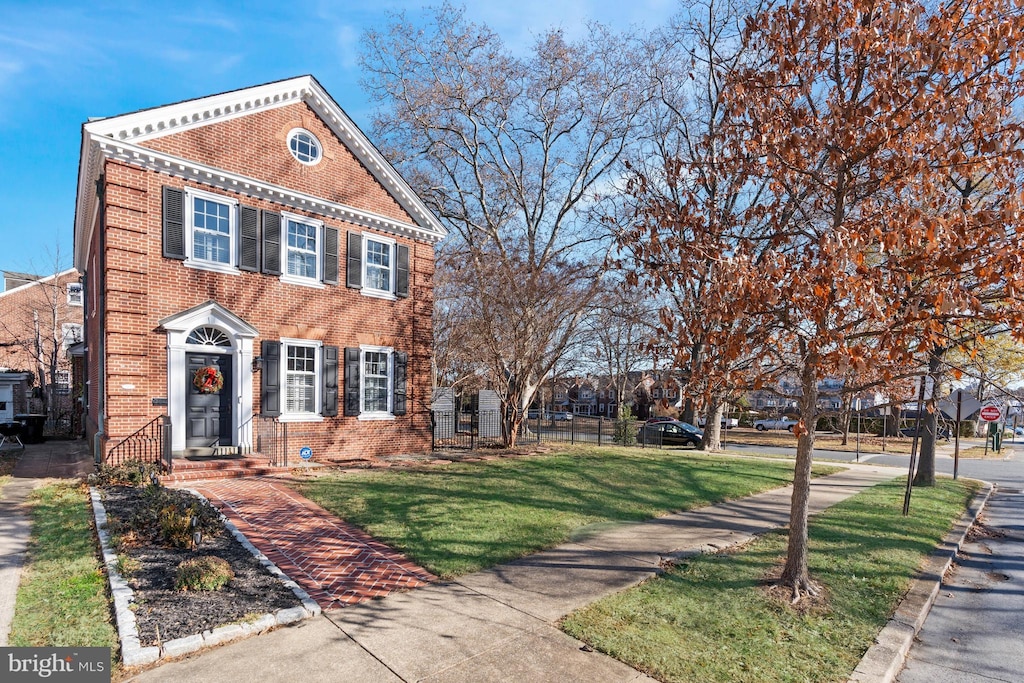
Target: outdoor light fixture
column 257, row 363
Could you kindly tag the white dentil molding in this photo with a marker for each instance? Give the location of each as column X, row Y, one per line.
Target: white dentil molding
column 134, row 128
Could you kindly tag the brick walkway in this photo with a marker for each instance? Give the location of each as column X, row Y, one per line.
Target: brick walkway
column 334, row 562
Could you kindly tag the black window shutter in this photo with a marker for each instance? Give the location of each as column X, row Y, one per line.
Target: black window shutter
column 270, row 379
column 331, row 256
column 402, row 271
column 401, row 362
column 174, row 223
column 352, row 360
column 354, row 258
column 248, row 238
column 271, row 243
column 330, row 379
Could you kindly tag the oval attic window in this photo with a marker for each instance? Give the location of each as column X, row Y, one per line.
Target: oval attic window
column 304, row 146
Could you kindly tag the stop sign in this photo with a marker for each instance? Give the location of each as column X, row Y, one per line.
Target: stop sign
column 991, row 413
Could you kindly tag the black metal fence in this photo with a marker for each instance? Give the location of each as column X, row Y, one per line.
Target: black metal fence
column 474, row 428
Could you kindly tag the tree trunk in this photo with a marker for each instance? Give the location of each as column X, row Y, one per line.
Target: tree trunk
column 925, row 475
column 712, row 441
column 795, row 574
column 844, row 417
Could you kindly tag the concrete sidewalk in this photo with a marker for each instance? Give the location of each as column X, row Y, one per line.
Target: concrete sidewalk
column 499, row 625
column 973, row 631
column 38, row 462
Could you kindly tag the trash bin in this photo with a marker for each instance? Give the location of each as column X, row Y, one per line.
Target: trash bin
column 32, row 431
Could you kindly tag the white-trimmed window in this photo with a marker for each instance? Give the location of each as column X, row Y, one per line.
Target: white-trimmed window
column 300, row 379
column 302, row 239
column 63, row 382
column 212, row 230
column 71, row 333
column 378, row 266
column 376, row 385
column 74, row 294
column 304, row 146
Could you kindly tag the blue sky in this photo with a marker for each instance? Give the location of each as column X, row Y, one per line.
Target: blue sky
column 63, row 62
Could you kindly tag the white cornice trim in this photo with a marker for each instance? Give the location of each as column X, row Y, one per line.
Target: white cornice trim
column 131, row 129
column 161, row 162
column 174, row 118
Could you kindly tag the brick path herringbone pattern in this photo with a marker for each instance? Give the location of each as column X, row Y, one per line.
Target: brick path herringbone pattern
column 336, row 563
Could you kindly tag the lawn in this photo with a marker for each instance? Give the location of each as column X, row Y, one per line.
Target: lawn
column 982, row 453
column 869, row 443
column 61, row 599
column 460, row 518
column 711, row 619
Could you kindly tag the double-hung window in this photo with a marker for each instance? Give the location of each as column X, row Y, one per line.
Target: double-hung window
column 302, row 248
column 74, row 294
column 212, row 230
column 379, row 265
column 376, row 388
column 300, row 369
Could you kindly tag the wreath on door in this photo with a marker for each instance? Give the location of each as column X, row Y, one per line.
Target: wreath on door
column 208, row 380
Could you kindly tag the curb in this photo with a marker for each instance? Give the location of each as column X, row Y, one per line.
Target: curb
column 133, row 654
column 885, row 659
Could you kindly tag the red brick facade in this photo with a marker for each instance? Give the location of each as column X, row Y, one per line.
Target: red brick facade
column 34, row 318
column 133, row 287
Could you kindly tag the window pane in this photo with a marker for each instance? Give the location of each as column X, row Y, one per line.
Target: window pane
column 302, row 250
column 376, row 382
column 211, row 231
column 300, row 379
column 376, row 395
column 378, row 265
column 300, row 394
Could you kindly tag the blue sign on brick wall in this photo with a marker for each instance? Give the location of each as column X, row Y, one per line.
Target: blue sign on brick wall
column 305, row 452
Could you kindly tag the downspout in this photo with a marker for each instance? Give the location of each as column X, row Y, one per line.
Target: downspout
column 101, row 304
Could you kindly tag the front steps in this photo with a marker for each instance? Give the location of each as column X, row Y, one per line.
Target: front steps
column 187, row 469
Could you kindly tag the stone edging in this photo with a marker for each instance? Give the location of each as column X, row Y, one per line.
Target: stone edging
column 885, row 659
column 132, row 652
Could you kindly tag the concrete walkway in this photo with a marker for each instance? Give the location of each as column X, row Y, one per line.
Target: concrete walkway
column 973, row 632
column 38, row 462
column 499, row 625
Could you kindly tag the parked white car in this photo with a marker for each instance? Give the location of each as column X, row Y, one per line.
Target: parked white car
column 727, row 422
column 774, row 423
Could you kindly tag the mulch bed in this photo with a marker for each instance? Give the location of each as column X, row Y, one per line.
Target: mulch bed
column 164, row 613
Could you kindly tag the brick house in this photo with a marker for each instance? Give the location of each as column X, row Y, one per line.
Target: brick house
column 251, row 256
column 40, row 319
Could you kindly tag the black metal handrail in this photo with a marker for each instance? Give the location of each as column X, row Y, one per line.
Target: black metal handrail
column 271, row 439
column 149, row 443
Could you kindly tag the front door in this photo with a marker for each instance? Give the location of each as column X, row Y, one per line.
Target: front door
column 208, row 400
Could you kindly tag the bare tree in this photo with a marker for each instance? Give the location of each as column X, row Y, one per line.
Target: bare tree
column 512, row 154
column 36, row 328
column 688, row 203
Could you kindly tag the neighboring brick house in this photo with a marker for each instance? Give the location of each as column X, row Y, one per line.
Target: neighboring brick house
column 253, row 254
column 40, row 318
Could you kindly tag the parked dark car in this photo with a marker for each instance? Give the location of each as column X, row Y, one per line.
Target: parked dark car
column 941, row 431
column 670, row 433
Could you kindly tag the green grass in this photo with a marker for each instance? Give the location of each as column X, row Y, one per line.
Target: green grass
column 460, row 518
column 710, row 619
column 61, row 599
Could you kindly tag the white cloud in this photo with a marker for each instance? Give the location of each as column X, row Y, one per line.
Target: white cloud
column 347, row 40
